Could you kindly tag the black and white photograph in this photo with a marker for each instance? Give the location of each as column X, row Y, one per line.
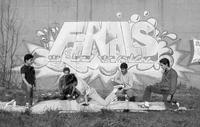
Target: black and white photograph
column 99, row 63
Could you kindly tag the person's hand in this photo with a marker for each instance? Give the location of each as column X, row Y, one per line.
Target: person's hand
column 74, row 97
column 68, row 95
column 80, row 99
column 123, row 84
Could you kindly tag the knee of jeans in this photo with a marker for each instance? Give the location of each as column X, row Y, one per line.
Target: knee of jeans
column 130, row 93
column 148, row 87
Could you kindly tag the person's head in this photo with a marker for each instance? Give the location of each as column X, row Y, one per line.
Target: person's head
column 28, row 59
column 66, row 70
column 164, row 63
column 70, row 79
column 123, row 68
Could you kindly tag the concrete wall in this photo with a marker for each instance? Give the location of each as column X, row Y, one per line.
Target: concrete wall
column 176, row 16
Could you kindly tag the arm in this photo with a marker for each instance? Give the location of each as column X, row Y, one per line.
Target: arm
column 173, row 84
column 73, row 85
column 117, row 78
column 60, row 83
column 25, row 81
column 130, row 82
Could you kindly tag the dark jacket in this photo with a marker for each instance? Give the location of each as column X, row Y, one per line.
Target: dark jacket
column 29, row 72
column 169, row 80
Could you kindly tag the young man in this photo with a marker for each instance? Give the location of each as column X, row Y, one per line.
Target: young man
column 28, row 78
column 167, row 86
column 64, row 92
column 126, row 79
column 85, row 91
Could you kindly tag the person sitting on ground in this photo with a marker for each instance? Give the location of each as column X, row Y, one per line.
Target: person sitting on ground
column 85, row 92
column 125, row 79
column 167, row 86
column 64, row 89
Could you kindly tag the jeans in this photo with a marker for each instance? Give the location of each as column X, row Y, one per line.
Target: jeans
column 155, row 89
column 28, row 93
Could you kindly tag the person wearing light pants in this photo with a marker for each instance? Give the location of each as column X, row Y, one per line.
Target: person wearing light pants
column 125, row 79
column 85, row 91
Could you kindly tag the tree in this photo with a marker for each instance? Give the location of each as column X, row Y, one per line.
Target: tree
column 9, row 40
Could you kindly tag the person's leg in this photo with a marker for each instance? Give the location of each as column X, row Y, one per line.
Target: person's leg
column 111, row 96
column 149, row 90
column 165, row 97
column 147, row 93
column 24, row 88
column 165, row 94
column 95, row 96
column 68, row 93
column 120, row 95
column 130, row 94
column 30, row 95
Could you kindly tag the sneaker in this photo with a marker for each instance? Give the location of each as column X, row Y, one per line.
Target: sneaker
column 11, row 103
column 27, row 105
column 146, row 104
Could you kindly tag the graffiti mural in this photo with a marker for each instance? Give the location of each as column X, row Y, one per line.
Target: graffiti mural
column 196, row 52
column 96, row 49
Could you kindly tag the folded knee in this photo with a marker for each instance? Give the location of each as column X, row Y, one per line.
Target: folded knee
column 148, row 88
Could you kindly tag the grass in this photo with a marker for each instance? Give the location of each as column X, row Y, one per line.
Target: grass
column 188, row 97
column 102, row 119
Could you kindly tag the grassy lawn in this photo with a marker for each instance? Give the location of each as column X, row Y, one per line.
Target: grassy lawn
column 188, row 97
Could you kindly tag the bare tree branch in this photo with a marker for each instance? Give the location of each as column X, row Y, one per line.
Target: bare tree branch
column 9, row 35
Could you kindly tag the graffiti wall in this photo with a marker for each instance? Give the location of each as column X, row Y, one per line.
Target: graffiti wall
column 94, row 50
column 195, row 52
column 94, row 37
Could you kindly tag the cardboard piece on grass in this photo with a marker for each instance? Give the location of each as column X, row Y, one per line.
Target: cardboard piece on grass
column 66, row 106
